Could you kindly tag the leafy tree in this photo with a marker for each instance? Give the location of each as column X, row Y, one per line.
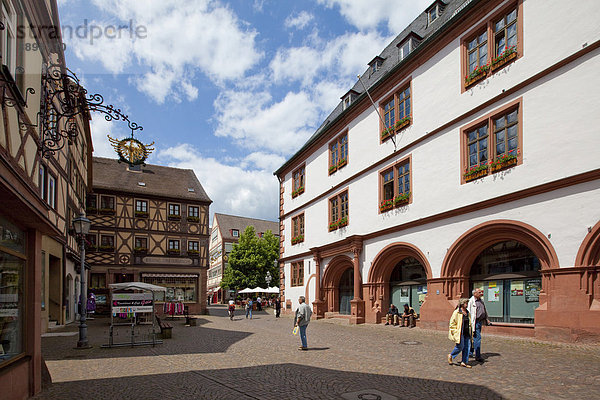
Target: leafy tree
column 250, row 260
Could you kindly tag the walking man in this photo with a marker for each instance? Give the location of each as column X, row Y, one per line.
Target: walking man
column 301, row 320
column 479, row 316
column 249, row 308
column 277, row 307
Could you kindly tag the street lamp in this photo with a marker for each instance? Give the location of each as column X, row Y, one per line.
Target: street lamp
column 268, row 279
column 81, row 225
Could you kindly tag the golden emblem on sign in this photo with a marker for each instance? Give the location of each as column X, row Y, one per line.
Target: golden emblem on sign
column 131, row 150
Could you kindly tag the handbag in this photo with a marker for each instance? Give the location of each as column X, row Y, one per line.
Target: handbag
column 295, row 331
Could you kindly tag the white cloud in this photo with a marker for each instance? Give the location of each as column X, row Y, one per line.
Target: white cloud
column 233, row 188
column 368, row 14
column 170, row 39
column 341, row 58
column 299, row 21
column 253, row 119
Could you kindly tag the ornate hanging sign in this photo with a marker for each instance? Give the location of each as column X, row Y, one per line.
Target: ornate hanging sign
column 131, row 150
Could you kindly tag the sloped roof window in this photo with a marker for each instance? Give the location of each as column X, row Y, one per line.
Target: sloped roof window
column 348, row 98
column 375, row 64
column 408, row 45
column 435, row 11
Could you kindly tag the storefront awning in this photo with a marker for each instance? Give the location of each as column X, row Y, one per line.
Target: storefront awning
column 169, row 275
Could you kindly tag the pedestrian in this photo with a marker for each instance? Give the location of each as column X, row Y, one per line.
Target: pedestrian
column 479, row 317
column 249, row 308
column 302, row 319
column 277, row 307
column 460, row 332
column 258, row 304
column 231, row 309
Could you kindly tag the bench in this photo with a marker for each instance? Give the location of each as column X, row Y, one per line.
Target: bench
column 165, row 328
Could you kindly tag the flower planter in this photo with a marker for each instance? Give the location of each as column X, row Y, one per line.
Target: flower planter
column 297, row 239
column 107, row 211
column 192, row 253
column 475, row 175
column 140, row 251
column 333, row 226
column 298, row 191
column 174, row 217
column 386, row 134
column 341, row 163
column 475, row 79
column 106, row 249
column 91, row 210
column 173, row 252
column 386, row 205
column 332, row 169
column 343, row 222
column 193, row 219
column 141, row 214
column 504, row 165
column 502, row 60
column 404, row 122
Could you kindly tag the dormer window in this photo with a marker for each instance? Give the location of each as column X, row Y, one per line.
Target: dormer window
column 408, row 45
column 348, row 98
column 235, row 233
column 435, row 11
column 375, row 64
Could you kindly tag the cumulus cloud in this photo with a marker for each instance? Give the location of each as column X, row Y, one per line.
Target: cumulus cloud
column 171, row 39
column 232, row 188
column 368, row 14
column 298, row 21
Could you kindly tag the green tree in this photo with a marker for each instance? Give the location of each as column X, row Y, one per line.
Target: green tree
column 250, row 260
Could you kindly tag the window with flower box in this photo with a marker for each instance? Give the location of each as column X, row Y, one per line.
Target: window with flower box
column 91, row 242
column 338, row 153
column 193, row 247
column 141, row 209
column 297, row 273
column 140, row 245
column 492, row 143
column 107, row 205
column 338, row 211
column 298, row 181
column 91, row 204
column 494, row 45
column 395, row 185
column 397, row 113
column 107, row 243
column 174, row 212
column 173, row 247
column 193, row 214
column 298, row 229
column 97, row 281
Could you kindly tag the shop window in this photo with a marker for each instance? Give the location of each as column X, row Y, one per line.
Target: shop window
column 298, row 181
column 338, row 211
column 178, row 288
column 408, row 284
column 338, row 153
column 509, row 275
column 297, row 273
column 12, row 291
column 298, row 229
column 492, row 144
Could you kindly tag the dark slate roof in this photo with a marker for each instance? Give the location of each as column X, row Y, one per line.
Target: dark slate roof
column 391, row 55
column 228, row 222
column 162, row 181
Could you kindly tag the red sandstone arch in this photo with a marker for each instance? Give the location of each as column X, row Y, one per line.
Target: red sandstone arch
column 465, row 249
column 589, row 251
column 385, row 261
column 331, row 279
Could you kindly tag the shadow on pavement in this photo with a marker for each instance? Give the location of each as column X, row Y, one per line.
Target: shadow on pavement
column 185, row 340
column 275, row 381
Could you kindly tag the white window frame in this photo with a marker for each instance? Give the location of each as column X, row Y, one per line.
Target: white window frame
column 435, row 8
column 52, row 190
column 410, row 48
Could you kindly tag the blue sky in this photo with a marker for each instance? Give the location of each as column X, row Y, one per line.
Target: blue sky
column 230, row 89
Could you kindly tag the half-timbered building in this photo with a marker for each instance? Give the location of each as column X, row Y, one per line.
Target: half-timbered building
column 149, row 224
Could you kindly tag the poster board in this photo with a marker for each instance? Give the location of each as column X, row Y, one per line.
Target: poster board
column 533, row 287
column 126, row 303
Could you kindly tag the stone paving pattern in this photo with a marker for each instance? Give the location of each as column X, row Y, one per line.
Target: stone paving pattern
column 258, row 359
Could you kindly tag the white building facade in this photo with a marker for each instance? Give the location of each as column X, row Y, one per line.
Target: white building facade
column 478, row 169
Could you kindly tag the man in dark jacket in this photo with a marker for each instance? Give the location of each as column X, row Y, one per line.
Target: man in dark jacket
column 392, row 315
column 409, row 317
column 277, row 307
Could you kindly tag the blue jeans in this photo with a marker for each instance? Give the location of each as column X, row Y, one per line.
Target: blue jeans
column 303, row 335
column 477, row 340
column 464, row 346
column 249, row 312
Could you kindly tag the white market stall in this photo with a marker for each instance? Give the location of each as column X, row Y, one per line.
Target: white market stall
column 132, row 299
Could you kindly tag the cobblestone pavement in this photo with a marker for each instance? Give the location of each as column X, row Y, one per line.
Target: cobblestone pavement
column 258, row 359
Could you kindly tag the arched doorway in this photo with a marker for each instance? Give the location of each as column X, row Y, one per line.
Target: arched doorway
column 346, row 291
column 408, row 284
column 509, row 274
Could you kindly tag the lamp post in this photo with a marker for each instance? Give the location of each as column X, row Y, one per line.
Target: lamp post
column 268, row 279
column 81, row 225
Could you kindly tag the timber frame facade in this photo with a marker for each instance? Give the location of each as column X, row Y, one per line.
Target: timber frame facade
column 151, row 233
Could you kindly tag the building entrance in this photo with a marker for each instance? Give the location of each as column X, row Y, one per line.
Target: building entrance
column 509, row 274
column 346, row 290
column 408, row 284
